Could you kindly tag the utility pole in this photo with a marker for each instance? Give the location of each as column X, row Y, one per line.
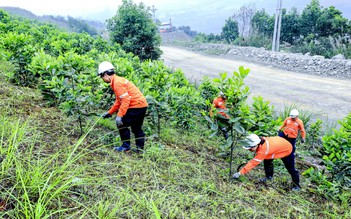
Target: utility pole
column 277, row 27
column 153, row 12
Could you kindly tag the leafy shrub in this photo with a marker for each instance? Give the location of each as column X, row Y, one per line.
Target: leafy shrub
column 207, row 89
column 315, row 133
column 19, row 49
column 185, row 103
column 323, row 186
column 262, row 115
column 337, row 152
column 133, row 28
column 255, row 40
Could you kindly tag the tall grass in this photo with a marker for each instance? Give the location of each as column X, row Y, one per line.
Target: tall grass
column 38, row 181
column 341, row 45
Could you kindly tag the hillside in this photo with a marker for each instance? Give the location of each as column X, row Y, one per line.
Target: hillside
column 178, row 177
column 70, row 23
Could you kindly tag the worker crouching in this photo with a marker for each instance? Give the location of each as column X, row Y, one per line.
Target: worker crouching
column 267, row 149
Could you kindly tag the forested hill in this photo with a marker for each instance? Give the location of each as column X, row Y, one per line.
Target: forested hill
column 68, row 23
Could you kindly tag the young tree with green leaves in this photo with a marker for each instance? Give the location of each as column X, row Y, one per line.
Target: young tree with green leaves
column 133, row 28
column 331, row 22
column 309, row 18
column 337, row 154
column 230, row 30
column 290, row 30
column 263, row 23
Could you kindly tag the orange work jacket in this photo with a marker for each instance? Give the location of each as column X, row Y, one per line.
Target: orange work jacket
column 291, row 128
column 272, row 148
column 127, row 96
column 219, row 103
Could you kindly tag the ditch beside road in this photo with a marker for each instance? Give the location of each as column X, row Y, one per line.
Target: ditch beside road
column 327, row 98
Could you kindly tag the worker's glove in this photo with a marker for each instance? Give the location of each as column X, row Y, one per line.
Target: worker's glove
column 106, row 115
column 119, row 121
column 303, row 140
column 236, row 175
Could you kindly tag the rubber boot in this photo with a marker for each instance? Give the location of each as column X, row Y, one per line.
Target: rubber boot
column 123, row 148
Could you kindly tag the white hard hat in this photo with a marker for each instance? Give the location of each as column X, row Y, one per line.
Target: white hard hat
column 294, row 113
column 105, row 66
column 251, row 141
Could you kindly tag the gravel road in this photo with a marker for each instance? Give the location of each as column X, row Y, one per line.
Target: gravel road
column 327, row 98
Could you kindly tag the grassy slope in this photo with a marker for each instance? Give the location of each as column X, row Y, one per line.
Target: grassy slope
column 180, row 178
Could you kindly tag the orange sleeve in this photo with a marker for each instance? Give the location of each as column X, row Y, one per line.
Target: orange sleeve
column 122, row 101
column 115, row 107
column 302, row 129
column 252, row 163
column 284, row 123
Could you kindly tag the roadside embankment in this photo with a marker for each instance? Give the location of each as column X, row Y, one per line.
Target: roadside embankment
column 336, row 67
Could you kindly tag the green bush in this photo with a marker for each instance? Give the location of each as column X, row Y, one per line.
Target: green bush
column 133, row 28
column 262, row 114
column 19, row 49
column 315, row 133
column 255, row 40
column 337, row 152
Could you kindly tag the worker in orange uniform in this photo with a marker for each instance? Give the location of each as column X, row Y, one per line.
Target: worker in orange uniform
column 220, row 104
column 291, row 127
column 267, row 149
column 130, row 106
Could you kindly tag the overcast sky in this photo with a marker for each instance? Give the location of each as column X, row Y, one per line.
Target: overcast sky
column 83, row 7
column 200, row 15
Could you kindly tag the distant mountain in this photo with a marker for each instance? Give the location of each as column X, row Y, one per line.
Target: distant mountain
column 19, row 12
column 68, row 23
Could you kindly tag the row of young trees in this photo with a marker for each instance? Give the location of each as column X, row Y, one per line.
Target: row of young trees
column 63, row 66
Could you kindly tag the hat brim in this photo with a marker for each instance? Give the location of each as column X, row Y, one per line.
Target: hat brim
column 248, row 147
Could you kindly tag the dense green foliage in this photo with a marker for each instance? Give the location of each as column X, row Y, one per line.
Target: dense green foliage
column 263, row 23
column 133, row 28
column 316, row 30
column 230, row 30
column 314, row 23
column 337, row 154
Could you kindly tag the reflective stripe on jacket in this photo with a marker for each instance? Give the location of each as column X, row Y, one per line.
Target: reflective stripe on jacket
column 219, row 103
column 127, row 96
column 272, row 148
column 291, row 128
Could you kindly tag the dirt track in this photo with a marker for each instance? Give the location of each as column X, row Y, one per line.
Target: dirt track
column 329, row 99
